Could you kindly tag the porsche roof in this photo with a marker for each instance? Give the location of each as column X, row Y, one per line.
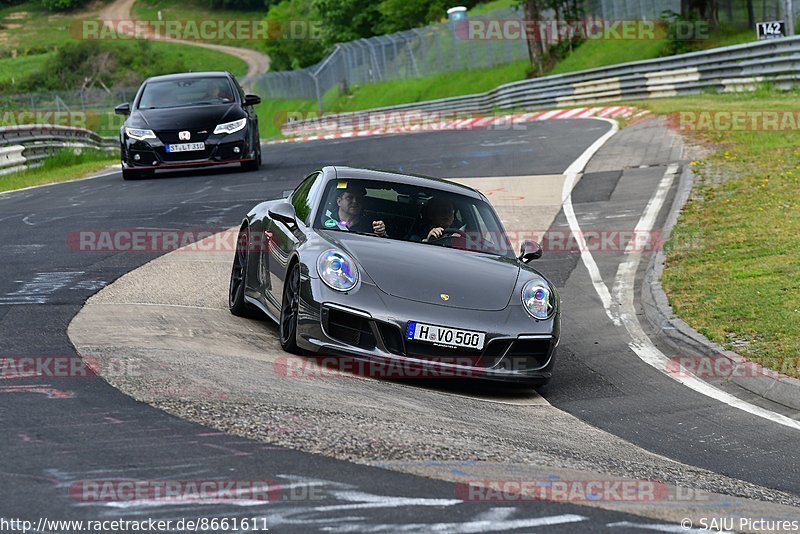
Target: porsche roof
column 402, row 178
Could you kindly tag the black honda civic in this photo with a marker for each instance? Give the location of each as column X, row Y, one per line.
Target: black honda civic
column 188, row 120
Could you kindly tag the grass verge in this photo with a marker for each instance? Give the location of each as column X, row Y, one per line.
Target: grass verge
column 733, row 268
column 62, row 167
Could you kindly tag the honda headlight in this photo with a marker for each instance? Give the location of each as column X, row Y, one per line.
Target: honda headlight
column 230, row 127
column 140, row 134
column 337, row 270
column 537, row 298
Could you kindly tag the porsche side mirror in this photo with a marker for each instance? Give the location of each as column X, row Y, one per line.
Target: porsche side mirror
column 530, row 250
column 283, row 212
column 251, row 100
column 123, row 109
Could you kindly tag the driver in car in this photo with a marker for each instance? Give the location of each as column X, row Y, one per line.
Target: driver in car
column 438, row 216
column 350, row 202
column 215, row 90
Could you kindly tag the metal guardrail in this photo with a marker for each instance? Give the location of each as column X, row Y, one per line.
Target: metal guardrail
column 725, row 69
column 27, row 145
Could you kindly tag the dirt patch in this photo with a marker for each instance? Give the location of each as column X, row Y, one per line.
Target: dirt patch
column 19, row 15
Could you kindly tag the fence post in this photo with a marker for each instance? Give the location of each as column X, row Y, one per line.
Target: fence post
column 317, row 91
column 789, row 10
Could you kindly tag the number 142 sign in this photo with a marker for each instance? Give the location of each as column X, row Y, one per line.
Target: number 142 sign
column 771, row 30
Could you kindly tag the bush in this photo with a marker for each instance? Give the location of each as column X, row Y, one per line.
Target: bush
column 683, row 34
column 62, row 5
column 235, row 4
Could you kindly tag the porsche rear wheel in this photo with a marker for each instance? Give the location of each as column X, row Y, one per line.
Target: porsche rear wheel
column 290, row 307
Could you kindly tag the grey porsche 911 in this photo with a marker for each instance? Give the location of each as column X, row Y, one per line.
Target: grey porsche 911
column 393, row 267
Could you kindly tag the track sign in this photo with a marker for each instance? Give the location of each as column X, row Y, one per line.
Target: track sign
column 771, row 30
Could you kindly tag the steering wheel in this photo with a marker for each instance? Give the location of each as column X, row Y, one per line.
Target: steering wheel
column 447, row 233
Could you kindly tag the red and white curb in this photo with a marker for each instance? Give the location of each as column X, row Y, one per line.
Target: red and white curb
column 610, row 112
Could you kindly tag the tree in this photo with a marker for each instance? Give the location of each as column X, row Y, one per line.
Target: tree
column 707, row 10
column 294, row 42
column 347, row 20
column 536, row 49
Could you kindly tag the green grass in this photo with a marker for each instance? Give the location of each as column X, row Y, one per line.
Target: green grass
column 272, row 113
column 487, row 7
column 198, row 59
column 442, row 85
column 603, row 52
column 62, row 167
column 17, row 68
column 198, row 11
column 733, row 268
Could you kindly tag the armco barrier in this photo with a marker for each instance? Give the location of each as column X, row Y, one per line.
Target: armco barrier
column 26, row 145
column 725, row 69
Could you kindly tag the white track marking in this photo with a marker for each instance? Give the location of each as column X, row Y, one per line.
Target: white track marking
column 641, row 344
column 467, row 527
column 620, row 308
column 566, row 195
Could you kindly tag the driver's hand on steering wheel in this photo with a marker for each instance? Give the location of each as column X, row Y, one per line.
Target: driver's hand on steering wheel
column 435, row 233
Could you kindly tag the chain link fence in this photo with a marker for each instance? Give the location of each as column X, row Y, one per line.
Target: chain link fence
column 404, row 55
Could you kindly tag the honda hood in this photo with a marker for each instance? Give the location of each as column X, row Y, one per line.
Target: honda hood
column 185, row 118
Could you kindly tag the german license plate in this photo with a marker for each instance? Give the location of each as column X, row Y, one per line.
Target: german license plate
column 443, row 335
column 186, row 147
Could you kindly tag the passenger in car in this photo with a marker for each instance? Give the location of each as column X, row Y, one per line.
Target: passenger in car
column 348, row 216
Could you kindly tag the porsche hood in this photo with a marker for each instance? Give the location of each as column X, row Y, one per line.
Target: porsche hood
column 433, row 274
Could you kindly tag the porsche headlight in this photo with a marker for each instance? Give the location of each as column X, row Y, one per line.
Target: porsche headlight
column 537, row 298
column 230, row 127
column 337, row 270
column 140, row 134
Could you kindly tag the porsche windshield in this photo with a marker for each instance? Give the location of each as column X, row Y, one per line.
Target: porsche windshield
column 186, row 92
column 410, row 213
